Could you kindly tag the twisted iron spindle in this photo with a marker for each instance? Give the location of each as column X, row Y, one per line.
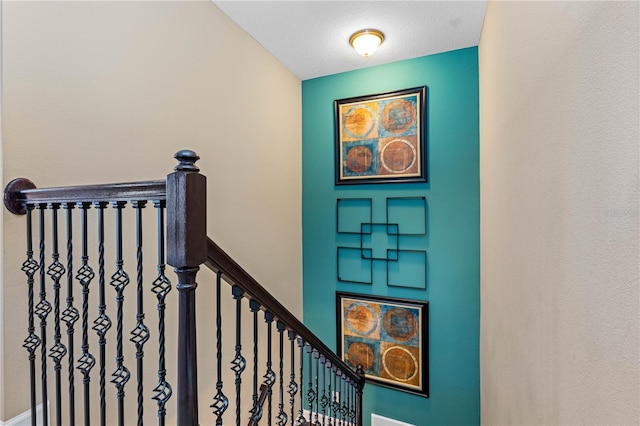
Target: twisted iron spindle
column 292, row 388
column 140, row 334
column 220, row 401
column 324, row 399
column 330, row 399
column 119, row 280
column 335, row 397
column 316, row 356
column 239, row 363
column 43, row 308
column 70, row 315
column 55, row 271
column 300, row 421
column 269, row 375
column 343, row 399
column 256, row 410
column 339, row 402
column 85, row 275
column 102, row 323
column 282, row 416
column 32, row 341
column 311, row 394
column 161, row 287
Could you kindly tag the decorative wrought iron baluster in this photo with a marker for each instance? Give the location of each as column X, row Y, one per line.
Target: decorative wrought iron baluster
column 239, row 363
column 119, row 281
column 292, row 389
column 335, row 405
column 55, row 271
column 32, row 341
column 269, row 375
column 102, row 323
column 311, row 393
column 42, row 310
column 300, row 421
column 324, row 400
column 332, row 370
column 70, row 315
column 220, row 401
column 343, row 399
column 85, row 275
column 140, row 334
column 352, row 411
column 161, row 287
column 348, row 406
column 316, row 356
column 282, row 416
column 256, row 410
column 360, row 373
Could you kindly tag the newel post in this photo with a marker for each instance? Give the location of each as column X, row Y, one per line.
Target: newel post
column 186, row 250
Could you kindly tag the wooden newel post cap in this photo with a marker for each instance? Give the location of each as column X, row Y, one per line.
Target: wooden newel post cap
column 187, row 159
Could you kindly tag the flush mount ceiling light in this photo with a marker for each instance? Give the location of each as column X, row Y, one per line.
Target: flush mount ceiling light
column 365, row 42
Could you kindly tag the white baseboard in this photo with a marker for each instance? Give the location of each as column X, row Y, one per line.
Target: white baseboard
column 377, row 420
column 24, row 419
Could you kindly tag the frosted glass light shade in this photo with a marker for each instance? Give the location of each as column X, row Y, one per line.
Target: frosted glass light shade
column 365, row 42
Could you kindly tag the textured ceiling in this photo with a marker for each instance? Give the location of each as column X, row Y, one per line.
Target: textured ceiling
column 311, row 38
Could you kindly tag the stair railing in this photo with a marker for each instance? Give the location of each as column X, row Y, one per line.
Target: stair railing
column 321, row 388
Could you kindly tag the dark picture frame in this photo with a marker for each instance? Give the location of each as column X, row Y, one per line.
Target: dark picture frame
column 388, row 337
column 381, row 138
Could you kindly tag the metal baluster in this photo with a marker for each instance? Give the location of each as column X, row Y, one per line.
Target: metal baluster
column 342, row 396
column 32, row 341
column 316, row 355
column 292, row 389
column 360, row 373
column 42, row 310
column 336, row 394
column 300, row 421
column 85, row 275
column 161, row 287
column 119, row 281
column 343, row 400
column 353, row 401
column 220, row 401
column 269, row 375
column 324, row 400
column 102, row 323
column 310, row 391
column 282, row 416
column 239, row 363
column 140, row 334
column 330, row 401
column 55, row 271
column 70, row 315
column 348, row 405
column 256, row 410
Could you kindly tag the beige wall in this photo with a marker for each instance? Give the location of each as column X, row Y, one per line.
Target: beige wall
column 109, row 91
column 559, row 213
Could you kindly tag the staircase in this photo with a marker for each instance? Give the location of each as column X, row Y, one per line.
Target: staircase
column 259, row 363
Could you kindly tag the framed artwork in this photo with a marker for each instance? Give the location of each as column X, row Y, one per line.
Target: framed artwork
column 381, row 138
column 388, row 337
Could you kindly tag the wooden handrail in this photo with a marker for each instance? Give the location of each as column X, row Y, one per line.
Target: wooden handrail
column 218, row 260
column 22, row 191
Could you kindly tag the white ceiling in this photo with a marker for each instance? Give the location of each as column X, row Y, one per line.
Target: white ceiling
column 311, row 38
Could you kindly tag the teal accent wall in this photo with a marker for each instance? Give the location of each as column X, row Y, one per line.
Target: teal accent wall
column 453, row 226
